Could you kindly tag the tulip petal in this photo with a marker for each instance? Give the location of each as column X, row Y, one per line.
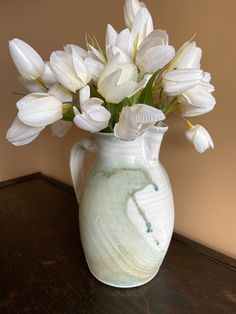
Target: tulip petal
column 61, row 93
column 94, row 121
column 196, row 102
column 80, row 51
column 131, row 8
column 84, row 94
column 63, row 68
column 79, row 65
column 48, row 76
column 190, row 57
column 97, row 54
column 129, row 72
column 94, row 67
column 21, row 134
column 156, row 37
column 114, row 92
column 111, row 36
column 141, row 84
column 113, row 50
column 28, row 98
column 41, row 111
column 99, row 114
column 127, row 127
column 142, row 25
column 154, row 58
column 110, row 67
column 125, row 42
column 90, row 104
column 147, row 114
column 61, row 128
column 178, row 81
column 32, row 86
column 200, row 138
column 27, row 61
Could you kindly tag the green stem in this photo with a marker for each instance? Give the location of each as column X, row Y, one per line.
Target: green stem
column 19, row 94
column 170, row 108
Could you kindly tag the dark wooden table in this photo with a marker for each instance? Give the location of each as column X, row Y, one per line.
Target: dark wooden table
column 43, row 270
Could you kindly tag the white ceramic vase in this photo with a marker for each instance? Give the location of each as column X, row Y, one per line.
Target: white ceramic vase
column 126, row 212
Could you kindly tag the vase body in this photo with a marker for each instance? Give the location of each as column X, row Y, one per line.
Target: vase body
column 126, row 213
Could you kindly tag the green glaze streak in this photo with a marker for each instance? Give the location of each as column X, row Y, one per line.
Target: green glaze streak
column 141, row 179
column 142, row 213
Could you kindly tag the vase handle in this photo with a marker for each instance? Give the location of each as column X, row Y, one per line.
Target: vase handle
column 76, row 163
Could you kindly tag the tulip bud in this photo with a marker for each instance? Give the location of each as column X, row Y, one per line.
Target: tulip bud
column 22, row 134
column 39, row 109
column 199, row 137
column 94, row 116
column 27, row 61
column 131, row 8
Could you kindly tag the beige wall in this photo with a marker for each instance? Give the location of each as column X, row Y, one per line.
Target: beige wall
column 204, row 185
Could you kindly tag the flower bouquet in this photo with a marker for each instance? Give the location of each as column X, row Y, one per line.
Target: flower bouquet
column 122, row 91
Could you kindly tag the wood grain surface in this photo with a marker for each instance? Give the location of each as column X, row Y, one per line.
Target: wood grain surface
column 43, row 270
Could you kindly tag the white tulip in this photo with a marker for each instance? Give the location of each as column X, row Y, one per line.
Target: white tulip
column 199, row 137
column 142, row 25
column 94, row 116
column 69, row 68
column 189, row 58
column 154, row 52
column 61, row 128
column 22, row 134
column 135, row 120
column 119, row 80
column 39, row 109
column 27, row 61
column 122, row 43
column 131, row 8
column 196, row 101
column 179, row 81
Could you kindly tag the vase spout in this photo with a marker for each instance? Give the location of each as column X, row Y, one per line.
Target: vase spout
column 151, row 143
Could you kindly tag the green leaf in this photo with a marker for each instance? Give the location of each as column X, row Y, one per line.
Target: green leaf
column 147, row 95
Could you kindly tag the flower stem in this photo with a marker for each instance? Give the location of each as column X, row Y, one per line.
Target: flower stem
column 189, row 124
column 170, row 108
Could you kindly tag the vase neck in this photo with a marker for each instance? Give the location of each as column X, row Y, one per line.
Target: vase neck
column 144, row 149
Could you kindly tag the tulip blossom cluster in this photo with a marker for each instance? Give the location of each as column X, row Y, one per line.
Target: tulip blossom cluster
column 129, row 85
